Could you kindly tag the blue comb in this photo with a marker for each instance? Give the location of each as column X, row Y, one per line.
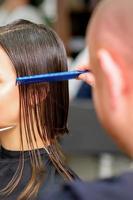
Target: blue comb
column 50, row 77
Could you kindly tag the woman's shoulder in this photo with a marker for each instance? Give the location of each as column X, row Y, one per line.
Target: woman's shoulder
column 74, row 176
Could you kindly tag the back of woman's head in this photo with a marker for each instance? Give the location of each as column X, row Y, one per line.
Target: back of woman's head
column 36, row 49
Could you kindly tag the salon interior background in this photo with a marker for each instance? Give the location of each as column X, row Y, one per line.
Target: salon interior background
column 90, row 152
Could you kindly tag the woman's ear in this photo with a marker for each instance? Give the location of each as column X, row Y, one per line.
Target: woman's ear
column 113, row 74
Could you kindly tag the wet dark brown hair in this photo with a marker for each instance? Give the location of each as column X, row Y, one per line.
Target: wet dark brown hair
column 36, row 49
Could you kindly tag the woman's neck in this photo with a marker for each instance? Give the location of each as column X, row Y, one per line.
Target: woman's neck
column 10, row 139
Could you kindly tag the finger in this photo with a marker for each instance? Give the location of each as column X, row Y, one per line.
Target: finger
column 88, row 78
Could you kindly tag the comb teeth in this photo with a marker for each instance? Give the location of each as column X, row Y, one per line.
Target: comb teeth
column 49, row 77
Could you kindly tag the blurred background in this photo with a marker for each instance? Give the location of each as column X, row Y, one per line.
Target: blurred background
column 90, row 151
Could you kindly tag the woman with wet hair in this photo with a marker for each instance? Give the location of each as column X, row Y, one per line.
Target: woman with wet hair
column 33, row 116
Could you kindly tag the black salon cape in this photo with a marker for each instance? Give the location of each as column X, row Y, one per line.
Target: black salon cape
column 116, row 188
column 9, row 163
